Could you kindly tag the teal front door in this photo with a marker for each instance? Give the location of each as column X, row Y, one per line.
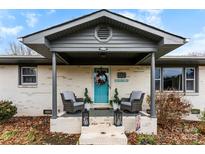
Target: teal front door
column 101, row 91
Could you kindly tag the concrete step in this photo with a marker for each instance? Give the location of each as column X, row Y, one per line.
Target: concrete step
column 99, row 128
column 101, row 120
column 103, row 134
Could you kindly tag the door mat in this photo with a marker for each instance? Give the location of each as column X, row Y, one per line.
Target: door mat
column 102, row 108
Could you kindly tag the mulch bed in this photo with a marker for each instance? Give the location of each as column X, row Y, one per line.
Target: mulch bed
column 184, row 133
column 33, row 130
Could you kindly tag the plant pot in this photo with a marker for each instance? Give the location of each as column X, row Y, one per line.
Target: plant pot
column 115, row 106
column 87, row 106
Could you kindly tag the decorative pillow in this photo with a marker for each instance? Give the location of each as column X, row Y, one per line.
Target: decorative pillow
column 69, row 95
column 135, row 95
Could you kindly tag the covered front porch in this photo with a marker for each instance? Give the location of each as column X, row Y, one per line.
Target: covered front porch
column 103, row 40
column 101, row 129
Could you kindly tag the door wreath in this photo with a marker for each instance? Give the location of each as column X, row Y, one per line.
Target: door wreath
column 101, row 78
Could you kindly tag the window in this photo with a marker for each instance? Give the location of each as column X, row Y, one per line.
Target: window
column 158, row 78
column 172, row 79
column 28, row 75
column 176, row 78
column 190, row 79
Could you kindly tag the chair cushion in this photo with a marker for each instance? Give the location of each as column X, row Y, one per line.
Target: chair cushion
column 126, row 103
column 69, row 95
column 135, row 95
column 78, row 103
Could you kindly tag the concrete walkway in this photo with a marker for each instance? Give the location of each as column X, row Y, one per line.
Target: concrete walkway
column 103, row 134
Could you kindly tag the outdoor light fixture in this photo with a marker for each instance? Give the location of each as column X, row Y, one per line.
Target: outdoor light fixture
column 103, row 49
column 117, row 118
column 103, row 52
column 85, row 118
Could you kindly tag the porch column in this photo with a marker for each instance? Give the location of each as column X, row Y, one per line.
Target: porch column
column 152, row 89
column 54, row 86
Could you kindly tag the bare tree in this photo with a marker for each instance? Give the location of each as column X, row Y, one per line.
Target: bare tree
column 20, row 49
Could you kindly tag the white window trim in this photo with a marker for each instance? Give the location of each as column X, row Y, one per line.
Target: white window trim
column 21, row 76
column 194, row 79
column 182, row 80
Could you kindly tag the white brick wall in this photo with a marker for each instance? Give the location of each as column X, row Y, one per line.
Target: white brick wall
column 198, row 99
column 32, row 100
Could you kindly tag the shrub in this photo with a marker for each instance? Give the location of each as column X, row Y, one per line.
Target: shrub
column 31, row 135
column 8, row 135
column 146, row 139
column 134, row 138
column 116, row 97
column 87, row 98
column 7, row 110
column 195, row 143
column 171, row 107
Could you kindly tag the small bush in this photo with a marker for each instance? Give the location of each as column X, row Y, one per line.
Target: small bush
column 196, row 131
column 116, row 97
column 7, row 110
column 31, row 136
column 171, row 107
column 87, row 98
column 8, row 135
column 146, row 139
column 195, row 143
column 134, row 138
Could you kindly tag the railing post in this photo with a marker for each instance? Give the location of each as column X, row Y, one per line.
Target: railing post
column 54, row 86
column 152, row 89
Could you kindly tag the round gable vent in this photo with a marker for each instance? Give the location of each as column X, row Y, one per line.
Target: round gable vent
column 103, row 33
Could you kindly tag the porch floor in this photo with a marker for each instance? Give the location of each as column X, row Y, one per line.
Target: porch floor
column 98, row 113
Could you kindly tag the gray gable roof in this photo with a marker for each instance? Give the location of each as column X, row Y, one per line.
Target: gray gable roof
column 39, row 41
column 101, row 13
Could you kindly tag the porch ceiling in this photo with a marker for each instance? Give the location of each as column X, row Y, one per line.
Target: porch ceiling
column 102, row 58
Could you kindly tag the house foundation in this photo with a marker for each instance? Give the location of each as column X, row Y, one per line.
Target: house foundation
column 73, row 125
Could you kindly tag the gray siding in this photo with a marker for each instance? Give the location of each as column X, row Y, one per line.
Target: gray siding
column 121, row 41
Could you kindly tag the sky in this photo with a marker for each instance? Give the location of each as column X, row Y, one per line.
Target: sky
column 187, row 23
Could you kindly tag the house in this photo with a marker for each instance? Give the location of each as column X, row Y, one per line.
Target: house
column 130, row 52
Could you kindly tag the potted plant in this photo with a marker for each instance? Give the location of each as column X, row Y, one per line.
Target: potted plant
column 116, row 100
column 87, row 100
